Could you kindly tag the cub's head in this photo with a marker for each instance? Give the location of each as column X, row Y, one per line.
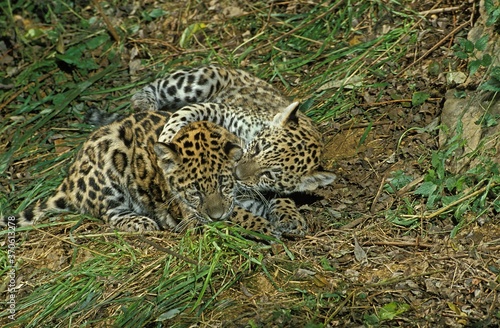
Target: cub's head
column 284, row 158
column 198, row 165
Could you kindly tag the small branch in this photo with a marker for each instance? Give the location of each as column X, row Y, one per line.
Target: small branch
column 166, row 44
column 351, row 125
column 393, row 281
column 399, row 243
column 439, row 10
column 298, row 28
column 447, row 207
column 340, row 307
column 353, row 224
column 379, row 191
column 108, row 23
column 409, row 186
column 6, row 86
column 451, row 257
column 65, row 240
column 382, row 103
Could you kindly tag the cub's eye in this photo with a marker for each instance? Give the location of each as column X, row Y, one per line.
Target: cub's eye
column 193, row 194
column 258, row 148
column 225, row 184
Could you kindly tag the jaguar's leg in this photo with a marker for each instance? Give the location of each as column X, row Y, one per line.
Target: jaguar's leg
column 129, row 221
column 285, row 217
column 250, row 221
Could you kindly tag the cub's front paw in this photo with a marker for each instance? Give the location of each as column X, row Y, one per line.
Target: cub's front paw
column 286, row 219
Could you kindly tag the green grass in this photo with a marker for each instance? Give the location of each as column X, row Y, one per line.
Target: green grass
column 121, row 284
column 66, row 61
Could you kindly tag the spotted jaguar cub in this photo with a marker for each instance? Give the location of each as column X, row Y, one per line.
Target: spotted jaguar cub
column 134, row 183
column 282, row 145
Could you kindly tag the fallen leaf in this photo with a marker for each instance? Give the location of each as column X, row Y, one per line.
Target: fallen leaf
column 359, row 252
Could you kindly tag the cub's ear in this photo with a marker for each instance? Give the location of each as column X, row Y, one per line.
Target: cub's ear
column 289, row 114
column 315, row 179
column 233, row 151
column 168, row 155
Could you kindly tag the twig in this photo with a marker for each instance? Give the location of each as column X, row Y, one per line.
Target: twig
column 167, row 250
column 381, row 103
column 381, row 283
column 399, row 243
column 340, row 307
column 6, row 86
column 393, row 281
column 437, row 45
column 409, row 186
column 106, row 21
column 245, row 291
column 156, row 42
column 439, row 10
column 447, row 207
column 350, row 125
column 451, row 257
column 379, row 191
column 492, row 307
column 354, row 223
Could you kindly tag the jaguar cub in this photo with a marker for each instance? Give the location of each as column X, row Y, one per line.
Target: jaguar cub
column 134, row 183
column 282, row 145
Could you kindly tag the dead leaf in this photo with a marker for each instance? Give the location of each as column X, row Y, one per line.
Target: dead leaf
column 233, row 11
column 59, row 146
column 359, row 252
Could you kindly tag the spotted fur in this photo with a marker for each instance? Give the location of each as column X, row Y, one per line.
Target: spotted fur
column 282, row 145
column 125, row 176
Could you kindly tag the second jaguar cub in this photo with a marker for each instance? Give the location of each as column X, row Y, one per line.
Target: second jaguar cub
column 283, row 147
column 134, row 183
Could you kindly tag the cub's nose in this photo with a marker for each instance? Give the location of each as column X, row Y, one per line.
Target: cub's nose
column 214, row 207
column 245, row 170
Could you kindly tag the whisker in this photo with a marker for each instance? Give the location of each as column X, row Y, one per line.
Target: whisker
column 182, row 226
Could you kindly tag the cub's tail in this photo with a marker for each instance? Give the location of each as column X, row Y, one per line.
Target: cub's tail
column 57, row 203
column 99, row 117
